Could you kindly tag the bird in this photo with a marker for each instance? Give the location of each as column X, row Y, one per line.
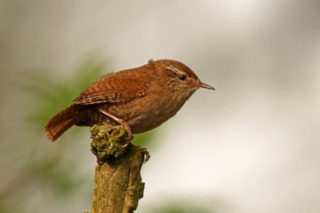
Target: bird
column 140, row 98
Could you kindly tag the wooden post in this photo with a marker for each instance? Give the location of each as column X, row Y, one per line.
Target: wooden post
column 118, row 183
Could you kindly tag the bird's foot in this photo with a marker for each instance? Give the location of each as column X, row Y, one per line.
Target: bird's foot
column 120, row 121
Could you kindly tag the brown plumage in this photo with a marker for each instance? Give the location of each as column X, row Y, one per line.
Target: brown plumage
column 141, row 98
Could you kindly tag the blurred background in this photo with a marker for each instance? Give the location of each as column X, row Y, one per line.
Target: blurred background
column 250, row 146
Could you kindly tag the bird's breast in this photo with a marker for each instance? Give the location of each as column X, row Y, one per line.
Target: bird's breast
column 143, row 114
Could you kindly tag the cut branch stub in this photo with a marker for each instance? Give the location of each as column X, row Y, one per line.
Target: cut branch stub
column 118, row 183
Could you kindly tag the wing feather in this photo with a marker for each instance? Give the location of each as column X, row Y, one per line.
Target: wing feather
column 113, row 88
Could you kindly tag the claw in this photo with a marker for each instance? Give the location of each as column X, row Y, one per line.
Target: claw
column 126, row 126
column 146, row 155
column 125, row 145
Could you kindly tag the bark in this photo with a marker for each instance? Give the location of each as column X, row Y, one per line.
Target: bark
column 118, row 183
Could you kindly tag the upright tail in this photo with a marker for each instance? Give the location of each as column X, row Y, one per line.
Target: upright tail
column 61, row 122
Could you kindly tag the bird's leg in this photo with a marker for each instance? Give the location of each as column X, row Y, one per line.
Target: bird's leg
column 120, row 121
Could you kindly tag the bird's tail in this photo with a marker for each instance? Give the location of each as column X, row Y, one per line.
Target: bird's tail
column 61, row 122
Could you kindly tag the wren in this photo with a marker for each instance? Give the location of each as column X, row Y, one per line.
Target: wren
column 140, row 99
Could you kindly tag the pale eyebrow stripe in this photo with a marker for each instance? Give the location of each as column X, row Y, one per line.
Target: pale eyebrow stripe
column 174, row 69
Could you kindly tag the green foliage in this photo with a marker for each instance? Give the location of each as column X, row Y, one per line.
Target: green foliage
column 53, row 94
column 144, row 138
column 59, row 176
column 5, row 208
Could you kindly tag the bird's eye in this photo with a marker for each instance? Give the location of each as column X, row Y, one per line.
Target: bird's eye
column 182, row 77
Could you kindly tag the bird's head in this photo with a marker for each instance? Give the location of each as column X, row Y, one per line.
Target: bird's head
column 178, row 76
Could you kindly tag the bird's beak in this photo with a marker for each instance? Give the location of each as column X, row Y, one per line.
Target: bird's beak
column 206, row 86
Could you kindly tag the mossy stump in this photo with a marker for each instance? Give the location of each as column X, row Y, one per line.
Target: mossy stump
column 118, row 183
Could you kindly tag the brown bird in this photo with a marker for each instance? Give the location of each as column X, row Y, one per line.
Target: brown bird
column 141, row 98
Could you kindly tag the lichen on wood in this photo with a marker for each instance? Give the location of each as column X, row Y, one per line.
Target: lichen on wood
column 118, row 183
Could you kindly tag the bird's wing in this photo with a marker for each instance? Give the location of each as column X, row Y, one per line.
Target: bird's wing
column 112, row 89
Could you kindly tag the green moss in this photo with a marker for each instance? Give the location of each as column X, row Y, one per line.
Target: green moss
column 108, row 141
